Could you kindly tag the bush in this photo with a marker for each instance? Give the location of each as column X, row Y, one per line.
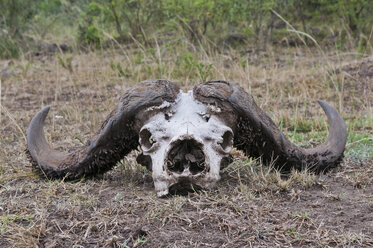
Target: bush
column 200, row 22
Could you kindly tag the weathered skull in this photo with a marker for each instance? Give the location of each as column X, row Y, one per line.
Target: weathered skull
column 186, row 144
column 185, row 138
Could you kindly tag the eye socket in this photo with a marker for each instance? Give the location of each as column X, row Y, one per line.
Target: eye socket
column 146, row 138
column 227, row 140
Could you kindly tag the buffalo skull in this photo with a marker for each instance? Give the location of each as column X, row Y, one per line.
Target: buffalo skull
column 185, row 138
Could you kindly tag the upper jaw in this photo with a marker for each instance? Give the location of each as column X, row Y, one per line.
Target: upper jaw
column 166, row 176
column 162, row 185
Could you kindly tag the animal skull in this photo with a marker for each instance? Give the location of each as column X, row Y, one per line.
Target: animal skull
column 185, row 138
column 186, row 144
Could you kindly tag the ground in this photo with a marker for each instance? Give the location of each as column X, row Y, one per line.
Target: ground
column 253, row 205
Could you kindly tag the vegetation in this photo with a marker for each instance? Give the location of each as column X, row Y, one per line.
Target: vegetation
column 286, row 54
column 340, row 23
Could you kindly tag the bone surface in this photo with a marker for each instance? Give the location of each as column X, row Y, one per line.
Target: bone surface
column 185, row 144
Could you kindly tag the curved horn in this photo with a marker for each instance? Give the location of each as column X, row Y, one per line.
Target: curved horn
column 257, row 135
column 117, row 136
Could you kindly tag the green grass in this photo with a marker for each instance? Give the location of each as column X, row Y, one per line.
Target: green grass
column 359, row 141
column 7, row 220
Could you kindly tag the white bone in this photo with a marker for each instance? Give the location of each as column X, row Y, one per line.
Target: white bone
column 186, row 121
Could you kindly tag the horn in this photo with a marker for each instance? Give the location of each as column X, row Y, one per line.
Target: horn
column 117, row 136
column 257, row 135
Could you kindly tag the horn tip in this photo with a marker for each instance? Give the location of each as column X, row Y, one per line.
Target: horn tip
column 45, row 110
column 338, row 128
column 330, row 111
column 323, row 103
column 34, row 130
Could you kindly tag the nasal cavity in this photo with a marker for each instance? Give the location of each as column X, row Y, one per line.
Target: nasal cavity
column 186, row 154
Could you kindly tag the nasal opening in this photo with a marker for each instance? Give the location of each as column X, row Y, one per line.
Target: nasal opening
column 186, row 154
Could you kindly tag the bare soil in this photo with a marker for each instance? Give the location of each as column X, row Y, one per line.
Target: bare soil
column 358, row 77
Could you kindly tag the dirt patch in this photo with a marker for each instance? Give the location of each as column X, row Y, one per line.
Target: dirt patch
column 362, row 69
column 338, row 202
column 358, row 78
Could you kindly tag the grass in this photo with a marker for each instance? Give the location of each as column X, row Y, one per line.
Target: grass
column 252, row 205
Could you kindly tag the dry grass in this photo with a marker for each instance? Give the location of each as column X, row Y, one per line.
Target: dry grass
column 252, row 206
